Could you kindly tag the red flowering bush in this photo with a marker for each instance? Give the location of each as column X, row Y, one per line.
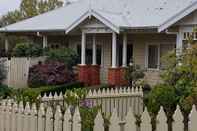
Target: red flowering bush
column 49, row 73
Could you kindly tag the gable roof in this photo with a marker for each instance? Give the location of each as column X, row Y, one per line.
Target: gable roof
column 115, row 14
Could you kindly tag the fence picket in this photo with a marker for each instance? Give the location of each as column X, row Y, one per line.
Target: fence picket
column 33, row 118
column 14, row 116
column 27, row 112
column 161, row 121
column 20, row 117
column 178, row 120
column 58, row 119
column 67, row 120
column 77, row 120
column 8, row 115
column 146, row 121
column 2, row 116
column 193, row 119
column 99, row 122
column 114, row 122
column 41, row 119
column 49, row 119
column 130, row 121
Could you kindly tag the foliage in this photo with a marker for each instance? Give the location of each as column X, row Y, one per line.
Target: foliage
column 60, row 88
column 20, row 50
column 50, row 73
column 27, row 50
column 74, row 97
column 26, row 95
column 180, row 78
column 65, row 55
column 35, row 50
column 88, row 114
column 162, row 95
column 133, row 74
column 27, row 9
column 31, row 94
column 2, row 71
column 5, row 91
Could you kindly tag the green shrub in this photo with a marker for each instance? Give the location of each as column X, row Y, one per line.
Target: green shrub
column 31, row 94
column 35, row 50
column 133, row 74
column 20, row 50
column 5, row 91
column 2, row 71
column 27, row 50
column 162, row 95
column 65, row 55
column 60, row 88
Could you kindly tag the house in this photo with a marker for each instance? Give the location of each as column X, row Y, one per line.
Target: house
column 109, row 33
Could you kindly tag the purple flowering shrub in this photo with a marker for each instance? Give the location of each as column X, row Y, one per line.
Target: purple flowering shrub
column 50, row 73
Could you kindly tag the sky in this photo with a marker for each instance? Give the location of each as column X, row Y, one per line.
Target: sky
column 8, row 5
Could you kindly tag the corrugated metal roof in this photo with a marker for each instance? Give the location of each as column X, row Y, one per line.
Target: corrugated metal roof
column 120, row 13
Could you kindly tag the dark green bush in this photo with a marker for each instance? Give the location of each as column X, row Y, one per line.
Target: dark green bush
column 27, row 50
column 65, row 55
column 5, row 91
column 31, row 94
column 2, row 71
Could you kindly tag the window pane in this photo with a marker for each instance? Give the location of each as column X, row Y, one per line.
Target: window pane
column 152, row 56
column 129, row 53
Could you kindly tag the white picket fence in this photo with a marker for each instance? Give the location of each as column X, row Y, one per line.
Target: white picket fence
column 18, row 70
column 14, row 117
column 122, row 98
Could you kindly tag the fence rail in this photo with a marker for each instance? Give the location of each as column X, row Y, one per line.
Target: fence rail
column 14, row 117
column 122, row 98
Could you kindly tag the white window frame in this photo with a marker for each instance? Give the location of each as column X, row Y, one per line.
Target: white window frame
column 147, row 53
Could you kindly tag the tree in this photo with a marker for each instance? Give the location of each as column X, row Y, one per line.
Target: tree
column 28, row 9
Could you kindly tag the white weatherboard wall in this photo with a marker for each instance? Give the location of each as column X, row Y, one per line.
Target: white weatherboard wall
column 14, row 117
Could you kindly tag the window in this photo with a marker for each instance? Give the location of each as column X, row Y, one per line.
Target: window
column 129, row 53
column 89, row 54
column 153, row 56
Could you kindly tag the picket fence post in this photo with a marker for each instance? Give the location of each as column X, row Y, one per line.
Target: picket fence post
column 34, row 118
column 27, row 112
column 2, row 115
column 67, row 120
column 130, row 121
column 193, row 119
column 20, row 117
column 178, row 124
column 77, row 120
column 114, row 121
column 161, row 121
column 14, row 116
column 58, row 119
column 41, row 119
column 49, row 119
column 146, row 121
column 99, row 122
column 8, row 115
